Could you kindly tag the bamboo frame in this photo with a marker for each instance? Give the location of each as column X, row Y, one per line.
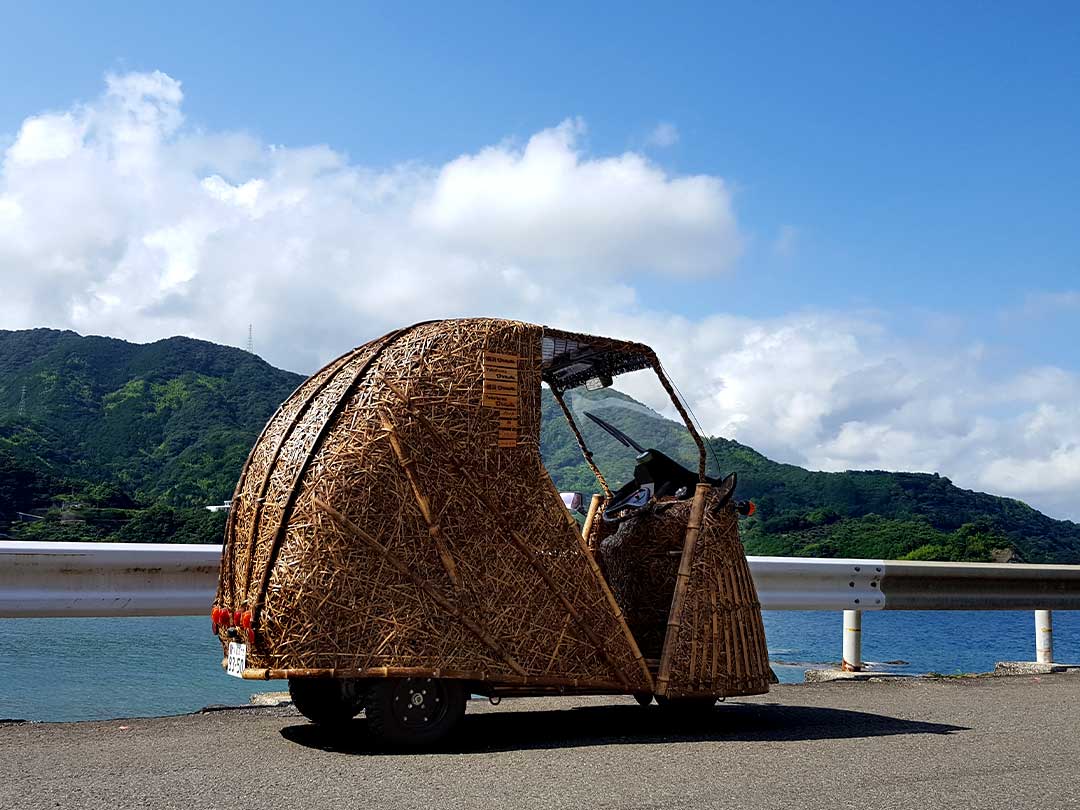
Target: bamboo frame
column 585, row 451
column 589, row 686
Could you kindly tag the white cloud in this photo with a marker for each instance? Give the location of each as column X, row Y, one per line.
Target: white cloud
column 117, row 219
column 664, row 134
column 45, row 138
column 551, row 208
column 835, row 392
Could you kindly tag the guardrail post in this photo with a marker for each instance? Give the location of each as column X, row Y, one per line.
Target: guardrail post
column 852, row 661
column 1044, row 637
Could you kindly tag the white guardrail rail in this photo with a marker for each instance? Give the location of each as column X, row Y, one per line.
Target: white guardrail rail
column 150, row 579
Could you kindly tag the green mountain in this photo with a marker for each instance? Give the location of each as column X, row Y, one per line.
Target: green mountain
column 170, row 421
column 121, row 441
column 109, row 440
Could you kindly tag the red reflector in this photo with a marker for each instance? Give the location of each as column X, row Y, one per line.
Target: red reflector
column 215, row 614
column 245, row 620
column 223, row 618
column 236, row 617
column 251, row 636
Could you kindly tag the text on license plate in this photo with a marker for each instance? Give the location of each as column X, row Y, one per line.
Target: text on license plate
column 237, row 659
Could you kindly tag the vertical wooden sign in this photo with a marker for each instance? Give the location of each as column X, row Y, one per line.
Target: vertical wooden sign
column 501, row 393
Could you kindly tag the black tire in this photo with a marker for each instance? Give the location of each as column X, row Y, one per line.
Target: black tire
column 414, row 712
column 327, row 701
column 643, row 698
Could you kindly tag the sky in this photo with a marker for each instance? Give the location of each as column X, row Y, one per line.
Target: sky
column 852, row 233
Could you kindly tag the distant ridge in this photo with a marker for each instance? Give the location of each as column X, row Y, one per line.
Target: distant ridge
column 172, row 419
column 168, row 424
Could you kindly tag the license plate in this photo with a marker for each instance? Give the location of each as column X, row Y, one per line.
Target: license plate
column 237, row 659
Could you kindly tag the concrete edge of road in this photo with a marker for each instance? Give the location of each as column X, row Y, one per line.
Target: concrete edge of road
column 1003, row 669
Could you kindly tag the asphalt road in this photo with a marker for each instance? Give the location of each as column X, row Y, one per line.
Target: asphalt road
column 987, row 743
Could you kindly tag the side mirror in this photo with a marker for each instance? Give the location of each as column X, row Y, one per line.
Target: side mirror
column 575, row 502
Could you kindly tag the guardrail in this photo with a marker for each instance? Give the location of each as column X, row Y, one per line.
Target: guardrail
column 149, row 579
column 106, row 579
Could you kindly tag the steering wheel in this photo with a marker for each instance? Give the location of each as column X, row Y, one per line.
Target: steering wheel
column 656, row 475
column 631, row 499
column 628, row 505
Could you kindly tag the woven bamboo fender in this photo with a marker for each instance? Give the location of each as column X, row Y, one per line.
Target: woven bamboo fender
column 713, row 641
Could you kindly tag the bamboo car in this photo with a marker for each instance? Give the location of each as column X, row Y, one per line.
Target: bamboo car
column 395, row 543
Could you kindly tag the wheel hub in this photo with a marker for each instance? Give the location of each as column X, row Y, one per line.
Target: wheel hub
column 419, row 702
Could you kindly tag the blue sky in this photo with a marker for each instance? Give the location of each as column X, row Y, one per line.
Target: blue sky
column 906, row 178
column 924, row 159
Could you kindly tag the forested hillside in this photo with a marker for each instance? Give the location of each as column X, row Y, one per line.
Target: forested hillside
column 112, row 440
column 171, row 420
column 849, row 514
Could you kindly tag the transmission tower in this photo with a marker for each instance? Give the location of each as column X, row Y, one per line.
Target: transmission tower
column 22, row 402
column 251, row 340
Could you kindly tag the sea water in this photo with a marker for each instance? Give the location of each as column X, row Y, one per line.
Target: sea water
column 92, row 669
column 948, row 642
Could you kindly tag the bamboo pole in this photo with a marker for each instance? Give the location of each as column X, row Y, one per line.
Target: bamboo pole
column 585, row 451
column 666, row 383
column 682, row 580
column 586, row 530
column 555, row 683
column 715, row 635
column 422, row 502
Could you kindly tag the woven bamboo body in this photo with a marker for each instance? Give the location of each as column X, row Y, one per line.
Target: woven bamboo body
column 720, row 649
column 395, row 518
column 395, row 515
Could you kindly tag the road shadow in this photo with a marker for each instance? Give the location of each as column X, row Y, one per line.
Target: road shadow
column 634, row 725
